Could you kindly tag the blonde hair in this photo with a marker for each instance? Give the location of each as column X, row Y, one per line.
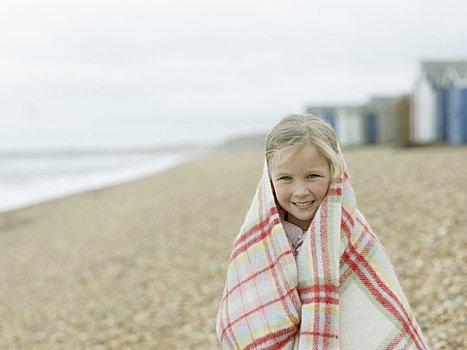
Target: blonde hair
column 301, row 129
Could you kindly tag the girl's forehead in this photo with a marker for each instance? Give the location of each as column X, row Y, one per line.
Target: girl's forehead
column 303, row 152
column 287, row 153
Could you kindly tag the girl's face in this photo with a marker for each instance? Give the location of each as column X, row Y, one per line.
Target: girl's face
column 300, row 176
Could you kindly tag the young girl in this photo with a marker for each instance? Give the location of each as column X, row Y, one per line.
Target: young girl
column 306, row 270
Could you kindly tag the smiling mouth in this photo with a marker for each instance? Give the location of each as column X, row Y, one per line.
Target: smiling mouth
column 303, row 204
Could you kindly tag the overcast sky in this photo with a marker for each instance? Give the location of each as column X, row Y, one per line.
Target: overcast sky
column 67, row 67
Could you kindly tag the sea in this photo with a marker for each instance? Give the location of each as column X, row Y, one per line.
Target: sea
column 38, row 169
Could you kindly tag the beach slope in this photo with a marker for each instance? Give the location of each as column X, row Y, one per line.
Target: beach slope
column 142, row 265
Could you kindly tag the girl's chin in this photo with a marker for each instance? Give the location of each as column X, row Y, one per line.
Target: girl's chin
column 307, row 215
column 303, row 223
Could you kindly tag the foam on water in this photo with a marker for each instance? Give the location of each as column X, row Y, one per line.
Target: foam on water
column 28, row 179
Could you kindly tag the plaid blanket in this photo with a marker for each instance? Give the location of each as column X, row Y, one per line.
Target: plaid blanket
column 340, row 291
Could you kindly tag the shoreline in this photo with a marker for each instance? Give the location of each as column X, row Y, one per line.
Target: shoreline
column 87, row 187
column 181, row 153
column 30, row 194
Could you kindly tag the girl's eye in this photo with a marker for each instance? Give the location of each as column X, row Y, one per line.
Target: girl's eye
column 286, row 178
column 313, row 176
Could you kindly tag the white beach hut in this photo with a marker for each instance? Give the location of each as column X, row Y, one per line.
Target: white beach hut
column 350, row 126
column 347, row 121
column 424, row 112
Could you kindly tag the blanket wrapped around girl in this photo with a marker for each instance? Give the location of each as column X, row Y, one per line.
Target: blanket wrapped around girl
column 306, row 270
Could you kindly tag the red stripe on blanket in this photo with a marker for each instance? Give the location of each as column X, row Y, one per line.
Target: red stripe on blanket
column 281, row 298
column 319, row 288
column 327, row 276
column 323, row 233
column 270, row 337
column 346, row 174
column 347, row 223
column 317, row 334
column 243, row 245
column 344, row 275
column 396, row 341
column 328, row 289
column 408, row 326
column 334, row 191
column 257, row 227
column 256, row 274
column 321, row 300
column 314, row 259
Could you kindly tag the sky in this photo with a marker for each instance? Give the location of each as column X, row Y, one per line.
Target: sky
column 102, row 72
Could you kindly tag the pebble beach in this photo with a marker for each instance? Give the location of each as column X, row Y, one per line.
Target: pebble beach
column 141, row 265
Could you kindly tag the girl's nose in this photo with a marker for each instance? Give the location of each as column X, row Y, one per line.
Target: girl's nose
column 301, row 190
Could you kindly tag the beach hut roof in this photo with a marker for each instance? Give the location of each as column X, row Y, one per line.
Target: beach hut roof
column 444, row 73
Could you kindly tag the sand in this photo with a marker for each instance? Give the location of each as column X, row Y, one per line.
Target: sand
column 142, row 265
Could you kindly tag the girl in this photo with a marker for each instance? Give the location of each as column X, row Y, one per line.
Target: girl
column 306, row 270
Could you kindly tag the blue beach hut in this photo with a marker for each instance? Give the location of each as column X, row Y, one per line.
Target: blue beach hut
column 456, row 101
column 371, row 127
column 431, row 101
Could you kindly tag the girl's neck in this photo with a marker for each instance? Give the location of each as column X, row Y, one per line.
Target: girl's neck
column 303, row 225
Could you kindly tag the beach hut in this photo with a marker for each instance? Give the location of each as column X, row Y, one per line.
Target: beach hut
column 405, row 132
column 347, row 121
column 371, row 127
column 350, row 126
column 382, row 120
column 429, row 99
column 424, row 109
column 456, row 106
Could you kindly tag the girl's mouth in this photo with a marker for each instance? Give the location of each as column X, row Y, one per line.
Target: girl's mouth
column 304, row 205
